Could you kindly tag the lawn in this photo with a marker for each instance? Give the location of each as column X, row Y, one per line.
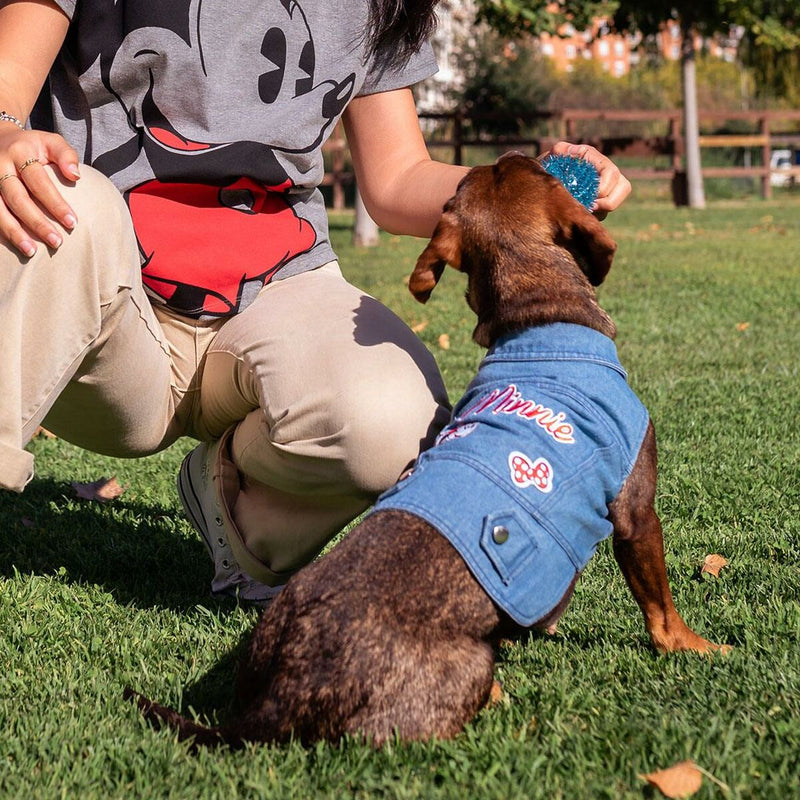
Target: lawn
column 94, row 597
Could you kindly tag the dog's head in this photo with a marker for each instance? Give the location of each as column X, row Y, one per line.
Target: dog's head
column 531, row 252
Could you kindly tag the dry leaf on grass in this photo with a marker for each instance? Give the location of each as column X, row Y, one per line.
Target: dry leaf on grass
column 40, row 431
column 420, row 326
column 679, row 780
column 444, row 341
column 742, row 326
column 102, row 490
column 495, row 693
column 713, row 564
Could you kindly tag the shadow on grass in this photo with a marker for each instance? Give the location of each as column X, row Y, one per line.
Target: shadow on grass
column 211, row 699
column 140, row 553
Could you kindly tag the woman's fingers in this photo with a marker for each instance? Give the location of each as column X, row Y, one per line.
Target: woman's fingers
column 11, row 231
column 64, row 156
column 31, row 207
column 613, row 187
column 41, row 187
column 27, row 212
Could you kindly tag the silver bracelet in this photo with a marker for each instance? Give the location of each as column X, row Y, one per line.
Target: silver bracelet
column 4, row 117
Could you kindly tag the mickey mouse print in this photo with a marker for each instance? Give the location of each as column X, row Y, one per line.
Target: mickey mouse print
column 210, row 118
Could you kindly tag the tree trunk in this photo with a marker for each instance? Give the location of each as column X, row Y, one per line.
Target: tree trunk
column 365, row 231
column 691, row 123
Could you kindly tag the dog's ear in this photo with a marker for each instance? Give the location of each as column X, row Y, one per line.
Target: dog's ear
column 590, row 242
column 444, row 248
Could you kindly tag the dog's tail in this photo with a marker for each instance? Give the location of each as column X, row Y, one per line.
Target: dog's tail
column 200, row 735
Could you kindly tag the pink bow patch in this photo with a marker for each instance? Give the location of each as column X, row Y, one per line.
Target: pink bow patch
column 526, row 473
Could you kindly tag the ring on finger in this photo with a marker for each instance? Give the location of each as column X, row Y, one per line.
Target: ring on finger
column 4, row 178
column 26, row 164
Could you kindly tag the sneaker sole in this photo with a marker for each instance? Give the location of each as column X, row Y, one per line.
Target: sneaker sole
column 191, row 502
column 191, row 506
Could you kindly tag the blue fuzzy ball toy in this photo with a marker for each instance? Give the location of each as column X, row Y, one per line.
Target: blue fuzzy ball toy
column 580, row 178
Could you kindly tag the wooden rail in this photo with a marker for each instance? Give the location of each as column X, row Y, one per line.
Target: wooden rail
column 623, row 137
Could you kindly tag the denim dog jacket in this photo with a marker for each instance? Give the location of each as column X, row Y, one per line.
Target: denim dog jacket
column 521, row 479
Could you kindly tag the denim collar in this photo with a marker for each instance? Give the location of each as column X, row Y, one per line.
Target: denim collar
column 558, row 341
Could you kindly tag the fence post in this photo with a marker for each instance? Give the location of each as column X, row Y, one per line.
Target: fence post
column 570, row 129
column 365, row 229
column 458, row 137
column 766, row 182
column 336, row 146
column 675, row 128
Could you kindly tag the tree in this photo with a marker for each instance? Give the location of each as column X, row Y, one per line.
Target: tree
column 772, row 49
column 504, row 79
column 772, row 22
column 769, row 23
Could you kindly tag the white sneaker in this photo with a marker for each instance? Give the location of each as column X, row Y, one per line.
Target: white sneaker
column 197, row 490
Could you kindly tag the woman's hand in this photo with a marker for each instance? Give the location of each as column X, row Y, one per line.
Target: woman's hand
column 614, row 186
column 30, row 204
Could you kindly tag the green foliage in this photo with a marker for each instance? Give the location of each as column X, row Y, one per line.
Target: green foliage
column 504, row 82
column 96, row 597
column 721, row 85
column 511, row 18
column 511, row 80
column 774, row 24
column 589, row 86
column 771, row 28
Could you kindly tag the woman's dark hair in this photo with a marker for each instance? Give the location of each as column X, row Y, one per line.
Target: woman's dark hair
column 398, row 28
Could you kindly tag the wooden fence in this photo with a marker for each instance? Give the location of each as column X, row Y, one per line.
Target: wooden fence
column 639, row 135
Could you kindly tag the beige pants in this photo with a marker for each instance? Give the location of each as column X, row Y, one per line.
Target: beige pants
column 329, row 394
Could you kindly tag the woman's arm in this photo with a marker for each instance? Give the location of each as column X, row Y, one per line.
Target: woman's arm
column 31, row 34
column 404, row 189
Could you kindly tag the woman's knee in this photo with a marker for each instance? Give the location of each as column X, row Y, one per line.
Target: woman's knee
column 102, row 246
column 352, row 442
column 92, row 195
column 386, row 427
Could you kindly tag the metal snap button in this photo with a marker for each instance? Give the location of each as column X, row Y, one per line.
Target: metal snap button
column 500, row 534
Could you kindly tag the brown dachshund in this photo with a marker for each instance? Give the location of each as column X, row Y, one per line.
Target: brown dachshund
column 391, row 634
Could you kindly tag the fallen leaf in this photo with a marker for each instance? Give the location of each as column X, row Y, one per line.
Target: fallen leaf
column 495, row 693
column 713, row 564
column 444, row 341
column 679, row 780
column 420, row 326
column 742, row 326
column 101, row 490
column 40, row 431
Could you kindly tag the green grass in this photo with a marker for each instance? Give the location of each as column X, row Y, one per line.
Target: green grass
column 96, row 597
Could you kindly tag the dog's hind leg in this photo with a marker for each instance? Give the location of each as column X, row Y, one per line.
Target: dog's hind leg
column 639, row 550
column 432, row 691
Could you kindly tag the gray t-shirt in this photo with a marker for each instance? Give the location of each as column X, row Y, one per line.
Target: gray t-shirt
column 209, row 117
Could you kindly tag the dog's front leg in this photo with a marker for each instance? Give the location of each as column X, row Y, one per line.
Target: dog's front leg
column 639, row 550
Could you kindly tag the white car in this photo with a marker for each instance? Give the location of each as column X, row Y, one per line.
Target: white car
column 781, row 168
